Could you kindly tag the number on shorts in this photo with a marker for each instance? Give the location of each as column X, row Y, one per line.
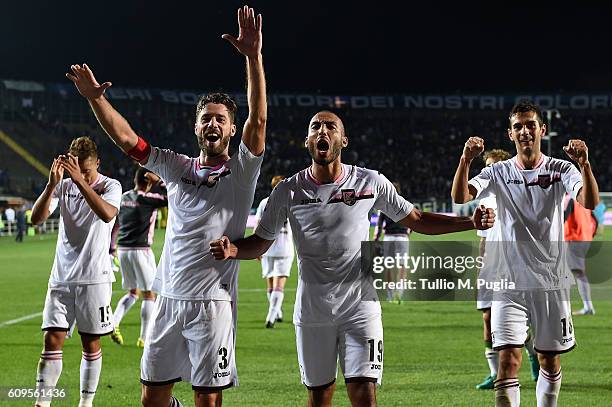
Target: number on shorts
column 105, row 313
column 380, row 350
column 566, row 327
column 224, row 362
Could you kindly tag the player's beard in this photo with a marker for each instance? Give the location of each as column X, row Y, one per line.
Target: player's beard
column 332, row 155
column 217, row 149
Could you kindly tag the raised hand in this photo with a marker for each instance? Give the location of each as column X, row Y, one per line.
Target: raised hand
column 220, row 248
column 483, row 218
column 56, row 173
column 70, row 163
column 85, row 82
column 249, row 39
column 577, row 151
column 473, row 147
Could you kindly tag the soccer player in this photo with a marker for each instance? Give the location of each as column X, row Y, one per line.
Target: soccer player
column 191, row 334
column 529, row 190
column 80, row 286
column 137, row 261
column 396, row 235
column 276, row 264
column 337, row 315
column 579, row 229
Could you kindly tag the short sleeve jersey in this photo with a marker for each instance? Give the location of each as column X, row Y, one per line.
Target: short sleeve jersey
column 329, row 222
column 81, row 253
column 530, row 217
column 204, row 203
column 283, row 245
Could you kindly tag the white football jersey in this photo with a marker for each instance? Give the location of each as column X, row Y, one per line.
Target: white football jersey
column 83, row 241
column 492, row 233
column 204, row 203
column 530, row 216
column 329, row 222
column 283, row 245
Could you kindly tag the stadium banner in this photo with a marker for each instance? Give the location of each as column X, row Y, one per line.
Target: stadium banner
column 457, row 271
column 576, row 101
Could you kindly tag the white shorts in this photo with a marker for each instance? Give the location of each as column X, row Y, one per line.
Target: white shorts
column 483, row 304
column 576, row 254
column 549, row 314
column 276, row 266
column 395, row 244
column 357, row 346
column 88, row 304
column 191, row 341
column 137, row 268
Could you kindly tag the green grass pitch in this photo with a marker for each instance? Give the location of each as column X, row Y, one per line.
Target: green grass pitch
column 433, row 350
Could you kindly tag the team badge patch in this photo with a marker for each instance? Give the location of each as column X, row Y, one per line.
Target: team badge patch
column 349, row 197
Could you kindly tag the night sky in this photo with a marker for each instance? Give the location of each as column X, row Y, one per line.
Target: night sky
column 329, row 47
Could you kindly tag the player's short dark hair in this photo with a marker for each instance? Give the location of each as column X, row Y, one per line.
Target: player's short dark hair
column 139, row 176
column 524, row 106
column 497, row 154
column 83, row 148
column 221, row 99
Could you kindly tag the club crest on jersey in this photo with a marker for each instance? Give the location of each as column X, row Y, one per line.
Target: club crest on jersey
column 349, row 197
column 545, row 181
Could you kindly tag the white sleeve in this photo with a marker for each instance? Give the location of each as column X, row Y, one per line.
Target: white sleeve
column 275, row 213
column 166, row 163
column 260, row 209
column 55, row 198
column 572, row 180
column 482, row 182
column 388, row 201
column 112, row 193
column 247, row 166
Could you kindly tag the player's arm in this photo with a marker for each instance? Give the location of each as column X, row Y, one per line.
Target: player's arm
column 115, row 125
column 242, row 249
column 249, row 44
column 461, row 191
column 40, row 210
column 578, row 151
column 99, row 206
column 435, row 224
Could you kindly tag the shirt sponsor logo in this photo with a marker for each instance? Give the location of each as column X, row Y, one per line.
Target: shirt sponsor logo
column 514, row 181
column 309, row 201
column 218, row 375
column 188, row 181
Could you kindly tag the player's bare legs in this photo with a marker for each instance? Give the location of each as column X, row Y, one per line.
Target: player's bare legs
column 362, row 394
column 321, row 397
column 54, row 340
column 213, row 399
column 507, row 392
column 486, row 322
column 156, row 396
column 50, row 364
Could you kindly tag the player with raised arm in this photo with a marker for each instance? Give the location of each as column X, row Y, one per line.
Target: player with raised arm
column 337, row 315
column 80, row 285
column 192, row 332
column 136, row 227
column 529, row 189
column 276, row 264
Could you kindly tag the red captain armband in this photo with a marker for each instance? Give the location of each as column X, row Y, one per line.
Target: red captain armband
column 141, row 150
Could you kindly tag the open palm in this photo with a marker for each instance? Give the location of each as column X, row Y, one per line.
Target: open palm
column 85, row 82
column 249, row 39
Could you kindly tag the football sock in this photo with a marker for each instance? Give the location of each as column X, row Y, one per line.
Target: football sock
column 547, row 388
column 47, row 374
column 123, row 306
column 91, row 366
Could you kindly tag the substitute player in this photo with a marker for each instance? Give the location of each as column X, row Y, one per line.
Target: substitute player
column 337, row 315
column 579, row 229
column 192, row 333
column 397, row 241
column 137, row 261
column 529, row 189
column 276, row 264
column 80, row 286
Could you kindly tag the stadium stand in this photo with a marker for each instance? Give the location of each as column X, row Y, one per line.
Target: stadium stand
column 417, row 147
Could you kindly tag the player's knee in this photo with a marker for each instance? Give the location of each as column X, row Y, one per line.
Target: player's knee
column 510, row 361
column 91, row 343
column 54, row 340
column 486, row 317
column 550, row 363
column 151, row 398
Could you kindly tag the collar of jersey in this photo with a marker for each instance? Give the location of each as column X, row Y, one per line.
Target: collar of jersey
column 337, row 181
column 200, row 167
column 520, row 166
